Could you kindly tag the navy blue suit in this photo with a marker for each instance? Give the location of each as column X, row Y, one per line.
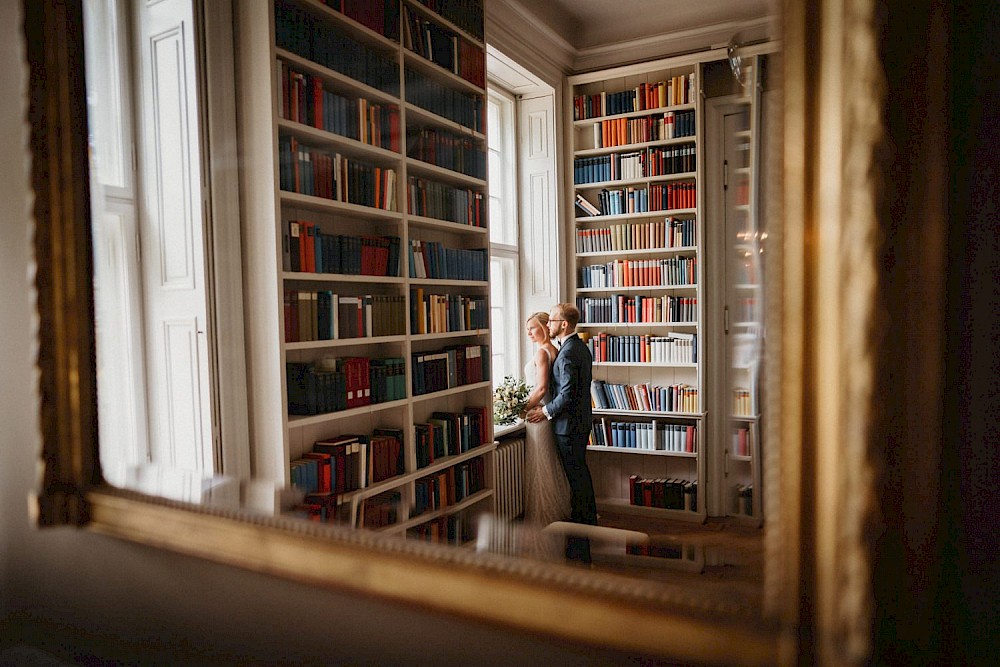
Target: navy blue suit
column 570, row 415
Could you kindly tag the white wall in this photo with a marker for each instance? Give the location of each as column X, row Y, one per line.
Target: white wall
column 173, row 607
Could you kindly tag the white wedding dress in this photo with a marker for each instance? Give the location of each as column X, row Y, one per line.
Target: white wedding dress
column 546, row 491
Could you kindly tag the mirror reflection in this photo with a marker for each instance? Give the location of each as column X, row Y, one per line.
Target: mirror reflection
column 363, row 264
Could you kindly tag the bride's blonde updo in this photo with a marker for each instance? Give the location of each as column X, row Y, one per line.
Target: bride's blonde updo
column 541, row 316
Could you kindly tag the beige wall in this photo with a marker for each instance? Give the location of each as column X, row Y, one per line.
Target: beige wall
column 168, row 603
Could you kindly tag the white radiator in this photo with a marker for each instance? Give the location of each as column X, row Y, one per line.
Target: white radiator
column 510, row 478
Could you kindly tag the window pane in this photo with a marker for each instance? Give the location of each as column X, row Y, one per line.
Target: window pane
column 503, row 308
column 502, row 155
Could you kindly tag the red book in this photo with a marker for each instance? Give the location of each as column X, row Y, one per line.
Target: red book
column 284, row 90
column 303, row 246
column 337, row 448
column 633, row 489
column 323, row 478
column 689, row 442
column 394, row 129
column 291, row 316
column 317, row 102
column 365, row 380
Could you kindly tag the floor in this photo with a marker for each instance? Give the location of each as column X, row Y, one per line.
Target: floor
column 722, row 558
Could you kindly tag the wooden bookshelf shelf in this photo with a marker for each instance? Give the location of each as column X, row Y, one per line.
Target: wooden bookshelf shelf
column 643, row 215
column 634, row 114
column 641, row 288
column 341, row 278
column 641, row 451
column 322, row 205
column 645, row 252
column 418, row 116
column 424, row 222
column 352, row 147
column 340, row 81
column 343, row 342
column 428, row 170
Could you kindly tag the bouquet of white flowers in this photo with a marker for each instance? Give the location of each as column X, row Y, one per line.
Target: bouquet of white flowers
column 509, row 400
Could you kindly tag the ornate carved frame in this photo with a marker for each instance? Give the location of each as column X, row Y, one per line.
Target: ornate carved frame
column 819, row 598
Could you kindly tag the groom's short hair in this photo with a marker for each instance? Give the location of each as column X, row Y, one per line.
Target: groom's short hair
column 570, row 313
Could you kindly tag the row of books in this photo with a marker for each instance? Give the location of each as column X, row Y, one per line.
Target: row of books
column 441, row 313
column 649, row 436
column 380, row 511
column 743, row 403
column 670, row 196
column 463, row 108
column 449, row 486
column 663, row 493
column 623, row 201
column 307, row 249
column 646, row 397
column 625, row 309
column 331, row 385
column 740, row 445
column 444, row 202
column 443, row 47
column 655, row 127
column 304, row 99
column 654, row 235
column 673, row 348
column 322, row 315
column 647, row 163
column 319, row 173
column 446, row 149
column 451, row 367
column 450, row 434
column 382, row 16
column 455, row 529
column 673, row 91
column 324, row 507
column 430, row 259
column 672, row 160
column 466, row 14
column 662, row 272
column 611, row 167
column 306, row 35
column 349, row 462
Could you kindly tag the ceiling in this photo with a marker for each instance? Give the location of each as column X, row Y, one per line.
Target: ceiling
column 586, row 24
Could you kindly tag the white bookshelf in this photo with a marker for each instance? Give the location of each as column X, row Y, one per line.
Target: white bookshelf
column 278, row 437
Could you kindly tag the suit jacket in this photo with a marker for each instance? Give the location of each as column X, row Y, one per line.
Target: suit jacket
column 571, row 375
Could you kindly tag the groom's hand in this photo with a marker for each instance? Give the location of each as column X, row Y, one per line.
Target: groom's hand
column 535, row 415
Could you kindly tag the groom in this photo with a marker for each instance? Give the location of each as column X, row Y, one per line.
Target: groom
column 569, row 409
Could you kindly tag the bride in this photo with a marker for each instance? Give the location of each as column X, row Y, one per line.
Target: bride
column 546, row 491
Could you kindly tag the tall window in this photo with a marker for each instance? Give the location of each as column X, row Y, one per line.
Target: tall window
column 157, row 226
column 504, row 246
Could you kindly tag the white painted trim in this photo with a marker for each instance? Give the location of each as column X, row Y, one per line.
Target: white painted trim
column 523, row 36
column 231, row 431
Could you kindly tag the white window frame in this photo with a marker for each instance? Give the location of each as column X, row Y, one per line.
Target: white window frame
column 126, row 455
column 503, row 189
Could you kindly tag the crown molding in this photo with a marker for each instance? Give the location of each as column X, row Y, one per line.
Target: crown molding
column 520, row 34
column 674, row 43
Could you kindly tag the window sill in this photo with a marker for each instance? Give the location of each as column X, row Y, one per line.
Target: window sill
column 508, row 430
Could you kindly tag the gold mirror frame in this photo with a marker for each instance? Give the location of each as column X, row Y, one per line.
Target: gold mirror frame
column 819, row 549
